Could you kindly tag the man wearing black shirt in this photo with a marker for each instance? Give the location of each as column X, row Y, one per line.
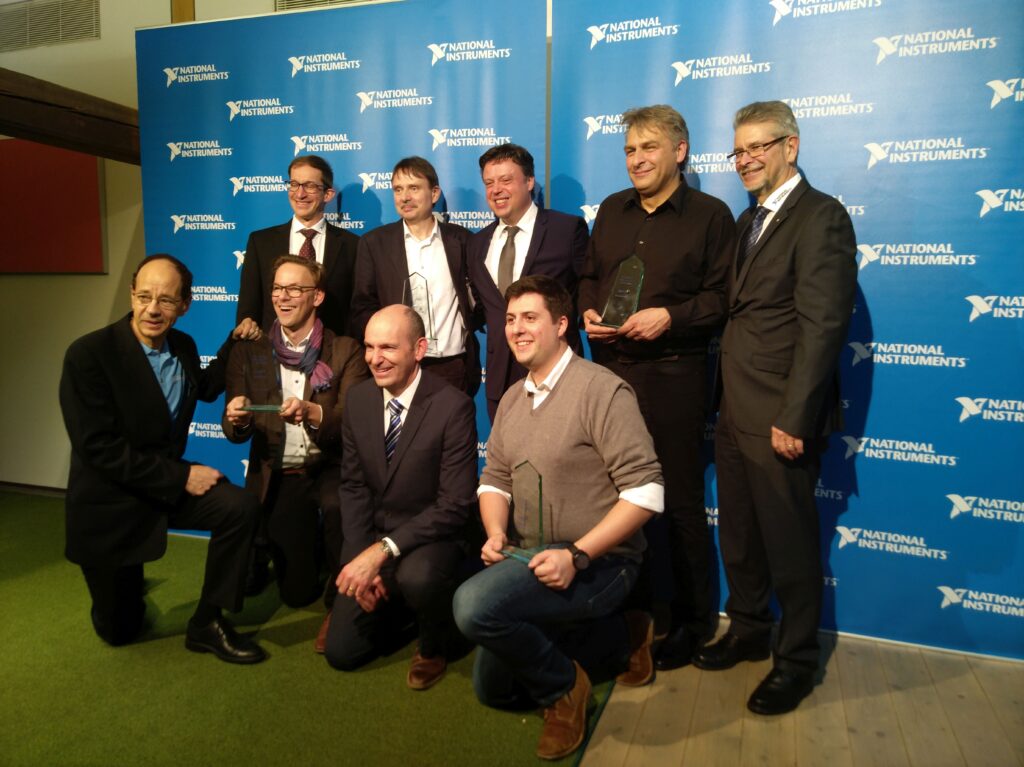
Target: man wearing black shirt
column 685, row 239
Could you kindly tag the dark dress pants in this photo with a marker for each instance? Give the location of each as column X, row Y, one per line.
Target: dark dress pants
column 292, row 509
column 769, row 534
column 420, row 584
column 230, row 514
column 671, row 394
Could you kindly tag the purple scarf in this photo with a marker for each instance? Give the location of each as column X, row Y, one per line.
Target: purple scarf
column 318, row 372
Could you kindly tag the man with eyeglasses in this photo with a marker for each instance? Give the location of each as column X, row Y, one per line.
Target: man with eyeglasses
column 308, row 234
column 298, row 375
column 791, row 293
column 127, row 394
column 684, row 239
column 421, row 262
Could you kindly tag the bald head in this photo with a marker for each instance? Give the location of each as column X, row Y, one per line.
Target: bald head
column 395, row 343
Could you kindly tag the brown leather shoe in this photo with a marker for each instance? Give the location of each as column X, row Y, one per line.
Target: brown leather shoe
column 320, row 643
column 641, row 665
column 424, row 673
column 565, row 721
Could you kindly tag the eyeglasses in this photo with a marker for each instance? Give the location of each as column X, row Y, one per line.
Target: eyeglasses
column 165, row 303
column 754, row 150
column 308, row 187
column 292, row 291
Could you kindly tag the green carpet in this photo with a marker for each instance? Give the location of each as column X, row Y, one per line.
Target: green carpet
column 66, row 698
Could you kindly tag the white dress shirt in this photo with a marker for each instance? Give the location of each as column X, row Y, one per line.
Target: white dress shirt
column 298, row 449
column 523, row 236
column 296, row 238
column 446, row 330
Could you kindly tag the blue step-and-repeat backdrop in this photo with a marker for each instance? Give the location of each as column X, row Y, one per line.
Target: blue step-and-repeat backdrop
column 910, row 114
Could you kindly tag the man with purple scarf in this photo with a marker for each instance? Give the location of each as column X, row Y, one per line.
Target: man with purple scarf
column 286, row 393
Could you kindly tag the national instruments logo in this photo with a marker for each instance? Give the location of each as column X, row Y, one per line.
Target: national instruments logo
column 997, row 307
column 981, row 601
column 466, row 50
column 830, row 105
column 312, row 63
column 907, row 355
column 194, row 73
column 604, row 125
column 887, row 542
column 991, row 409
column 217, row 294
column 802, row 9
column 201, row 222
column 320, row 143
column 200, row 148
column 898, row 450
column 251, row 184
column 1005, row 90
column 717, row 66
column 392, row 98
column 262, row 107
column 629, row 30
column 375, row 180
column 936, row 42
column 1007, row 200
column 453, row 138
column 988, row 509
column 897, row 254
column 923, row 150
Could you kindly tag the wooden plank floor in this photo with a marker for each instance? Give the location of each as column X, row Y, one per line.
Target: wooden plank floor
column 878, row 704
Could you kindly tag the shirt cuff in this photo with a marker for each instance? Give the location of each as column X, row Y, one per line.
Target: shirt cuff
column 492, row 489
column 391, row 545
column 650, row 496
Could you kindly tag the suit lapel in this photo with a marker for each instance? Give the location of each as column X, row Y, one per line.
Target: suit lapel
column 417, row 412
column 487, row 282
column 397, row 264
column 773, row 226
column 332, row 251
column 540, row 227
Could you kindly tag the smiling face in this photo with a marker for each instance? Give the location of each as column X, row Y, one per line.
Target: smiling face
column 536, row 338
column 763, row 175
column 156, row 302
column 508, row 190
column 296, row 315
column 414, row 197
column 392, row 352
column 308, row 206
column 652, row 162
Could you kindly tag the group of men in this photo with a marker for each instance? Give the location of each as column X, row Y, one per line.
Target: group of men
column 351, row 370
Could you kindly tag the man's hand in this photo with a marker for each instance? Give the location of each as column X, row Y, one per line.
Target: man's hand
column 359, row 574
column 787, row 445
column 235, row 415
column 646, row 324
column 554, row 568
column 490, row 553
column 597, row 332
column 298, row 411
column 371, row 597
column 247, row 330
column 201, row 479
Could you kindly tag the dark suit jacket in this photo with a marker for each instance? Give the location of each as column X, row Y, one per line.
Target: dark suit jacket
column 789, row 308
column 557, row 249
column 380, row 280
column 253, row 372
column 126, row 467
column 263, row 249
column 425, row 494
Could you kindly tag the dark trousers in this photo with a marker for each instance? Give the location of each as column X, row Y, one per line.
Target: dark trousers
column 671, row 394
column 230, row 514
column 420, row 584
column 451, row 369
column 330, row 515
column 769, row 534
column 292, row 520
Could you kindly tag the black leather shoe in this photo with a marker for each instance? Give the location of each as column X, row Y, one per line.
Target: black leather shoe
column 220, row 638
column 728, row 651
column 780, row 692
column 676, row 650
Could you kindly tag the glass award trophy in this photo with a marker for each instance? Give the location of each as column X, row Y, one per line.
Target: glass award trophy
column 528, row 512
column 625, row 293
column 416, row 295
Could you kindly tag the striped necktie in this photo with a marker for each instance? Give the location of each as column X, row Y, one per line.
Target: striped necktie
column 394, row 429
column 752, row 235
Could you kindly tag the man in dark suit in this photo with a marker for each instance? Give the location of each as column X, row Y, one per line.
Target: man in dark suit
column 396, row 261
column 127, row 393
column 524, row 240
column 294, row 459
column 310, row 188
column 408, row 482
column 790, row 298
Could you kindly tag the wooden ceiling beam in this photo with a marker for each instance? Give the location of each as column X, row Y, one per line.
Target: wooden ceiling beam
column 41, row 111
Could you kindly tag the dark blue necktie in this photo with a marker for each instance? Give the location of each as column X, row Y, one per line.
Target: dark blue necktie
column 752, row 234
column 394, row 429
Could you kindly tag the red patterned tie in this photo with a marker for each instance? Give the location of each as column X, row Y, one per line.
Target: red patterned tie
column 307, row 250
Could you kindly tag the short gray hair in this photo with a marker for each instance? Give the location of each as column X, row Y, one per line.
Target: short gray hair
column 777, row 112
column 661, row 117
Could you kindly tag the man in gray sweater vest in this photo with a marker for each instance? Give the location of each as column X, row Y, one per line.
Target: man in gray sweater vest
column 580, row 428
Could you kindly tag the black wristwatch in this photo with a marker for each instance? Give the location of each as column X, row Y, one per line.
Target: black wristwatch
column 580, row 558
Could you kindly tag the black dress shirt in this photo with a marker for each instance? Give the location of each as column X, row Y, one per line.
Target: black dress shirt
column 686, row 244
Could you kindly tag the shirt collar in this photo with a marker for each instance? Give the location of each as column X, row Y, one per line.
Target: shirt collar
column 407, row 396
column 151, row 352
column 526, row 223
column 301, row 344
column 675, row 200
column 320, row 226
column 433, row 232
column 778, row 197
column 552, row 378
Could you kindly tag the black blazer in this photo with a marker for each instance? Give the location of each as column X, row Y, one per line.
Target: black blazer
column 789, row 309
column 380, row 277
column 425, row 494
column 263, row 249
column 126, row 467
column 557, row 249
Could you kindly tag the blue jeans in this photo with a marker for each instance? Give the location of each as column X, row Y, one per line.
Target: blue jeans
column 517, row 621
